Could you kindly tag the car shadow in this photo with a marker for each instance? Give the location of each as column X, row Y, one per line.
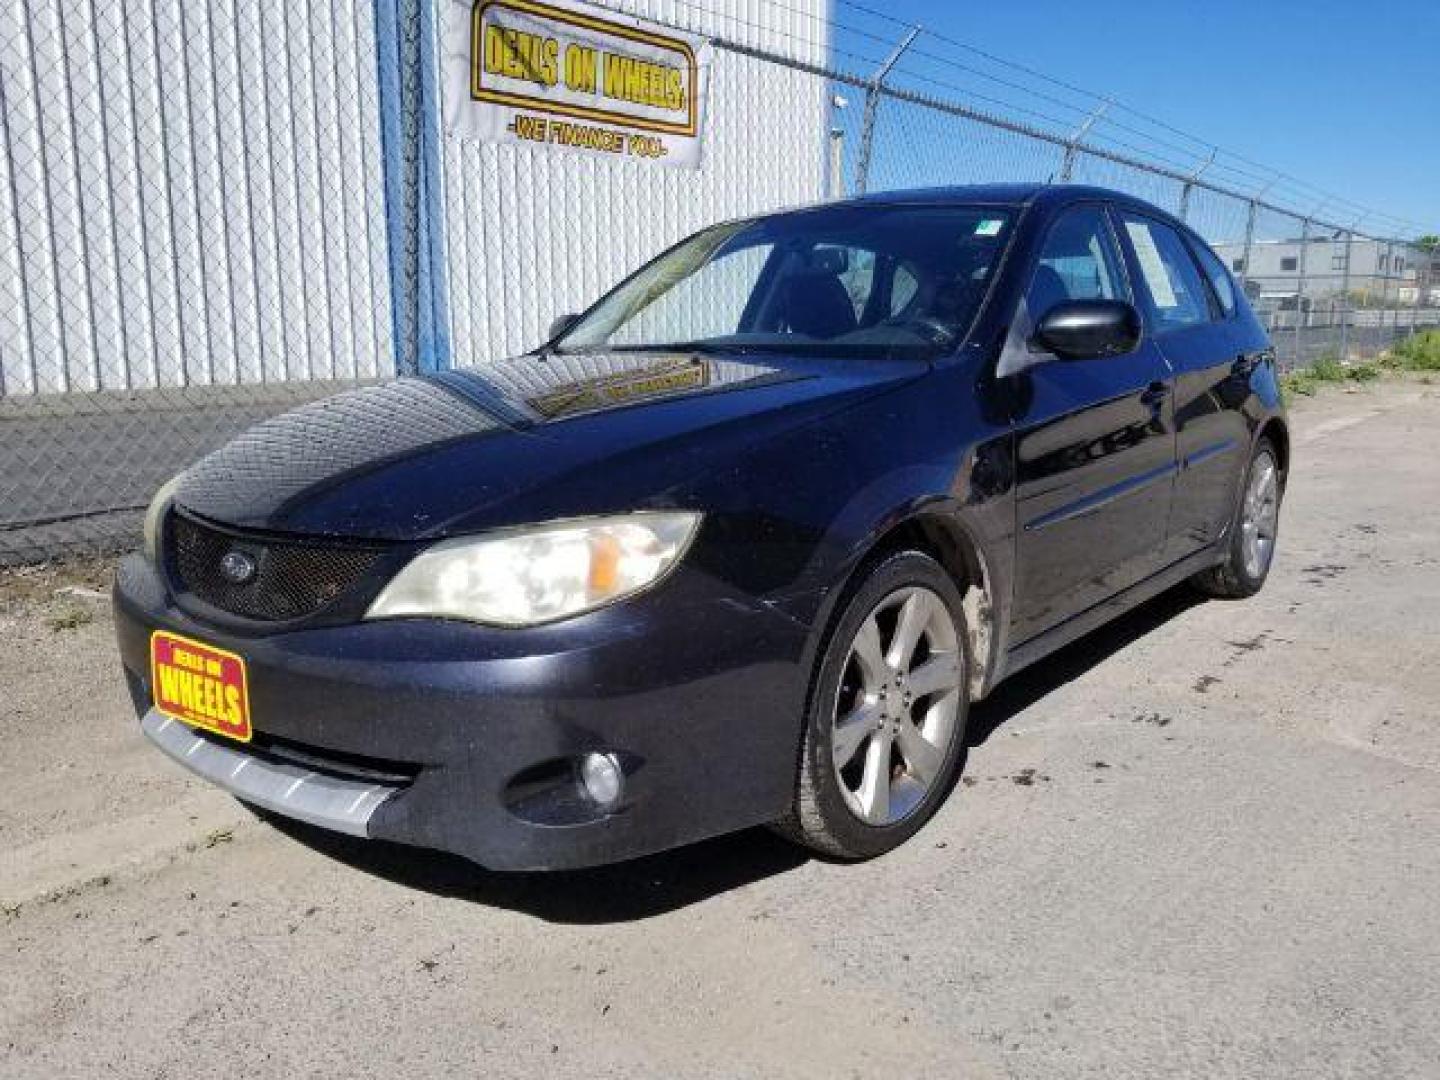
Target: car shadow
column 657, row 884
column 623, row 892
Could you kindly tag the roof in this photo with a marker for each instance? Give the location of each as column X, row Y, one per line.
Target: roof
column 1002, row 194
column 1006, row 195
column 1010, row 194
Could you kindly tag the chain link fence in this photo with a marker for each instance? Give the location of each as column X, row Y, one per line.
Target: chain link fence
column 207, row 216
column 1323, row 289
column 192, row 238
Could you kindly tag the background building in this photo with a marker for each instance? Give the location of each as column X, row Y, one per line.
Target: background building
column 1324, row 267
column 210, row 211
column 238, row 194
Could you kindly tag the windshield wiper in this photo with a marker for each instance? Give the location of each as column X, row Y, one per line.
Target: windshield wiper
column 708, row 348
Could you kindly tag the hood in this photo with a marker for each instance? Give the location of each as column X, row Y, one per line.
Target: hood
column 531, row 439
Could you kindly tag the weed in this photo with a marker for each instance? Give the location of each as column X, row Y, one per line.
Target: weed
column 70, row 619
column 1329, row 368
column 1421, row 352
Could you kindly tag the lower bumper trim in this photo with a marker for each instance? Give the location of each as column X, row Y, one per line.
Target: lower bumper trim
column 344, row 806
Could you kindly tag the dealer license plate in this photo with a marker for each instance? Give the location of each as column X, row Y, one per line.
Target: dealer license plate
column 199, row 684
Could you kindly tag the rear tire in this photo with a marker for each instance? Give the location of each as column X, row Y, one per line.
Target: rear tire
column 885, row 724
column 1253, row 532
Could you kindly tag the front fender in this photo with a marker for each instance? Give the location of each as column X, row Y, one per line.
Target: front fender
column 921, row 456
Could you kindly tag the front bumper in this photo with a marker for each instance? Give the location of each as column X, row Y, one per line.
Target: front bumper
column 332, row 802
column 460, row 738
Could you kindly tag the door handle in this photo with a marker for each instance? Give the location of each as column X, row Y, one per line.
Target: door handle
column 1154, row 395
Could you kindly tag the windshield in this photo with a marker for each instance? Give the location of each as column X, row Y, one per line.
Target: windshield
column 851, row 280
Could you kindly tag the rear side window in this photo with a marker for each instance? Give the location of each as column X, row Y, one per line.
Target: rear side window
column 1077, row 262
column 1170, row 281
column 1220, row 279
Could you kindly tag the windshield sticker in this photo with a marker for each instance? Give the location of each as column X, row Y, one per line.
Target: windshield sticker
column 989, row 227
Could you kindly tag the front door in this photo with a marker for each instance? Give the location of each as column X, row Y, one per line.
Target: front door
column 1095, row 444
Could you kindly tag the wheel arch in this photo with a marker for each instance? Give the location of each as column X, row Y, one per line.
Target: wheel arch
column 1276, row 430
column 946, row 539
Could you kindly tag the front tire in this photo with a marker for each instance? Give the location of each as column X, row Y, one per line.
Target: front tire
column 1253, row 532
column 886, row 719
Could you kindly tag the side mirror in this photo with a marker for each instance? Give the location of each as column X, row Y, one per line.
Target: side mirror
column 563, row 323
column 1089, row 329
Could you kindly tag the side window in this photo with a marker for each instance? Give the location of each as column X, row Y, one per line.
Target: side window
column 858, row 276
column 1220, row 280
column 862, row 276
column 1171, row 283
column 1077, row 262
column 903, row 288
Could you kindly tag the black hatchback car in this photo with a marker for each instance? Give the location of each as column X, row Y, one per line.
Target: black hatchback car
column 740, row 545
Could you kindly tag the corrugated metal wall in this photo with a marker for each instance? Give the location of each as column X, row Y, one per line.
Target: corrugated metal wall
column 194, row 194
column 532, row 233
column 211, row 210
column 190, row 194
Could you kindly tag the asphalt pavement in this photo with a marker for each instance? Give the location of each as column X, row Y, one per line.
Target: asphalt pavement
column 1202, row 842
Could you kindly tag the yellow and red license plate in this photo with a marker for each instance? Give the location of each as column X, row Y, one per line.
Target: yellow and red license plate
column 199, row 684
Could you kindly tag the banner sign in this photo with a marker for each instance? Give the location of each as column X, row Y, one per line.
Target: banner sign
column 571, row 76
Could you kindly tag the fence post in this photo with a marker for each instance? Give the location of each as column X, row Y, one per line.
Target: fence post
column 409, row 90
column 1345, row 299
column 1419, row 256
column 1399, row 284
column 837, row 163
column 872, row 105
column 1067, row 166
column 1249, row 243
column 1191, row 182
column 1300, row 290
column 1384, row 296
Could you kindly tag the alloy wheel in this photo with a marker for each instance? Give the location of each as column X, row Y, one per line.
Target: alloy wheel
column 1259, row 516
column 897, row 705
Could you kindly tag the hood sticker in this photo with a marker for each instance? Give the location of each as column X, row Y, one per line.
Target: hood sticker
column 638, row 384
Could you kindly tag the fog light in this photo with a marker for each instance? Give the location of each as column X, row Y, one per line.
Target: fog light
column 602, row 778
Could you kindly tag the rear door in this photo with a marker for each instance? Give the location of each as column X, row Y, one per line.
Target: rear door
column 1194, row 327
column 1095, row 449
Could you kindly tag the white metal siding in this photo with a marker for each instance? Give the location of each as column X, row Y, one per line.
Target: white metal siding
column 190, row 194
column 532, row 233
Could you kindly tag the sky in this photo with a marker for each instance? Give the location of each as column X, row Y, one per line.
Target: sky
column 1344, row 96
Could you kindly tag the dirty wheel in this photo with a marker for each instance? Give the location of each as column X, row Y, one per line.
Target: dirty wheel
column 1253, row 532
column 887, row 714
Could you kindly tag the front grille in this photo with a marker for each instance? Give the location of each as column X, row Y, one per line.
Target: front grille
column 358, row 768
column 291, row 579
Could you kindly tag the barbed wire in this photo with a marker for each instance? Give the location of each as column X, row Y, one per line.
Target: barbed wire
column 1275, row 178
column 1196, row 155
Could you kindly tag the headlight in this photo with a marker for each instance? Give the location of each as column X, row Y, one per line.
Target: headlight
column 155, row 515
column 539, row 574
